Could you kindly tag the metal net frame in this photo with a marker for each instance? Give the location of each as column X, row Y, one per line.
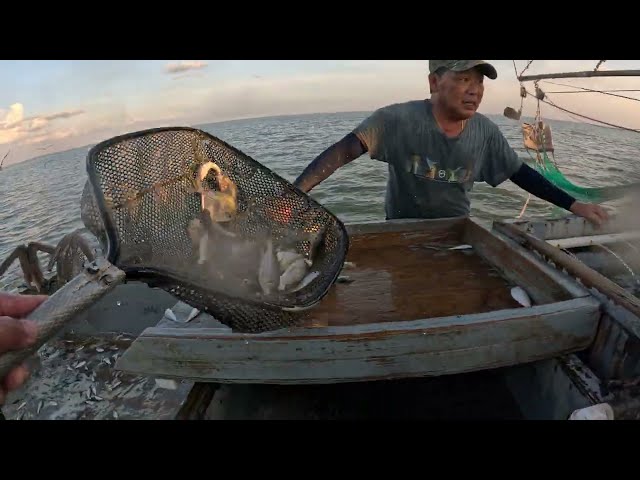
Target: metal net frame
column 139, row 201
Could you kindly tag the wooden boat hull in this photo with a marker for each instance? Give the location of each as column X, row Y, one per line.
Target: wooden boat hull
column 613, row 354
column 365, row 333
column 431, row 347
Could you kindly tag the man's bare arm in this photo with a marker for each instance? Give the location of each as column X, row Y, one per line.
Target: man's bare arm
column 334, row 157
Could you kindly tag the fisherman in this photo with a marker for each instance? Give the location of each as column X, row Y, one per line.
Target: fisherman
column 16, row 333
column 436, row 148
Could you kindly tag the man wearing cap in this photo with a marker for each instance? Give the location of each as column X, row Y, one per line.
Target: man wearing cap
column 437, row 148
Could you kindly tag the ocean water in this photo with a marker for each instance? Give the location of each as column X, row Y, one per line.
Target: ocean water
column 39, row 198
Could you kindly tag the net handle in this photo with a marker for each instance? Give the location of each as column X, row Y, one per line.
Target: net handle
column 97, row 279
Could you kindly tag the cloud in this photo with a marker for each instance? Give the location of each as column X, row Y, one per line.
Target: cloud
column 15, row 127
column 184, row 66
column 15, row 114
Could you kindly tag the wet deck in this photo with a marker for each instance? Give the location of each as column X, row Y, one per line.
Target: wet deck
column 399, row 277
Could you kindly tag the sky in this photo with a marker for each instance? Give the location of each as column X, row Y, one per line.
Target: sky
column 51, row 106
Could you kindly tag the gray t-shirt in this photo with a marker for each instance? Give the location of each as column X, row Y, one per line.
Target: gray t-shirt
column 430, row 174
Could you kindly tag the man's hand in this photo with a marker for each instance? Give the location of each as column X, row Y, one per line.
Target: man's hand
column 15, row 334
column 591, row 212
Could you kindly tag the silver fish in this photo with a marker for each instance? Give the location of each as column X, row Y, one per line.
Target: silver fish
column 199, row 238
column 520, row 296
column 269, row 271
column 307, row 280
column 286, row 258
column 203, row 249
column 294, row 274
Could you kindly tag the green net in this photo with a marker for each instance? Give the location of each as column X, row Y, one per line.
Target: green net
column 584, row 194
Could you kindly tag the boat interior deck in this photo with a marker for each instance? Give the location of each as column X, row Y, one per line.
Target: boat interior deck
column 399, row 276
column 414, row 273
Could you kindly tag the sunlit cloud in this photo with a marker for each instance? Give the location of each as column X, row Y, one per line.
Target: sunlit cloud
column 184, row 66
column 15, row 127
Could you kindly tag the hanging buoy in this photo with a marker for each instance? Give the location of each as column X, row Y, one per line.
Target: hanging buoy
column 512, row 114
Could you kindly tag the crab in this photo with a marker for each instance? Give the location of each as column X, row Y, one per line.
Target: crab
column 68, row 255
column 87, row 244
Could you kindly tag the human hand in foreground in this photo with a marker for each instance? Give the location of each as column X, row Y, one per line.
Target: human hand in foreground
column 16, row 333
column 591, row 212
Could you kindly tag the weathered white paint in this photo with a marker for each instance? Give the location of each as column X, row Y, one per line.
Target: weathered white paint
column 428, row 347
column 585, row 241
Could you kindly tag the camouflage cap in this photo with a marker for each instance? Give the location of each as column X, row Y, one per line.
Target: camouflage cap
column 461, row 65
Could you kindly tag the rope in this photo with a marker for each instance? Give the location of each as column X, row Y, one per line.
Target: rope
column 549, row 102
column 525, row 68
column 589, row 90
column 525, row 207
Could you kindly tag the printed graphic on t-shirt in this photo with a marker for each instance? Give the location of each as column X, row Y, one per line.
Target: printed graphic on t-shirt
column 423, row 166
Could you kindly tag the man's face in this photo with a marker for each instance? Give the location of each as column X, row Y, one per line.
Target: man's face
column 460, row 93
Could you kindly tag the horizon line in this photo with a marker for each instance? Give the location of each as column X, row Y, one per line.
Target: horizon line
column 265, row 117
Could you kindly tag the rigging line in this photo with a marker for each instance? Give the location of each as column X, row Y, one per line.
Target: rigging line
column 597, row 91
column 594, row 91
column 584, row 116
column 525, row 68
column 576, row 86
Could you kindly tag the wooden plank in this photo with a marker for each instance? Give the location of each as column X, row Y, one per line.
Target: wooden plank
column 569, row 284
column 587, row 276
column 569, row 226
column 453, row 225
column 197, row 402
column 552, row 389
column 525, row 271
column 574, row 242
column 429, row 347
column 584, row 74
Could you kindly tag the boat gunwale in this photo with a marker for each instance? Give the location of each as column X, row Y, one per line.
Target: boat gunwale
column 309, row 357
column 579, row 296
column 388, row 350
column 375, row 329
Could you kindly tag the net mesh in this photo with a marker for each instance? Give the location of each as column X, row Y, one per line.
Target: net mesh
column 141, row 201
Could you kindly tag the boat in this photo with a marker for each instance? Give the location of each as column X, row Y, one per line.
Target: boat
column 420, row 299
column 423, row 298
column 416, row 300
